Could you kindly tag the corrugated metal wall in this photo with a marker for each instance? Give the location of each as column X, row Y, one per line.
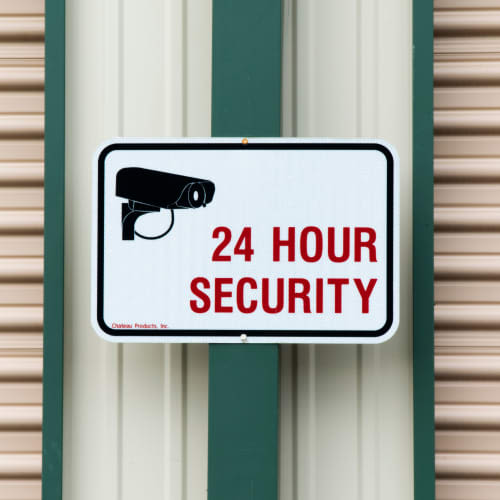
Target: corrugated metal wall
column 21, row 246
column 467, row 262
column 135, row 416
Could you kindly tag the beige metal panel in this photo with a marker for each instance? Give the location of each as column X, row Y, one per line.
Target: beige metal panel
column 466, row 4
column 468, row 291
column 94, row 370
column 475, row 441
column 470, row 70
column 463, row 218
column 20, row 417
column 467, row 246
column 467, row 366
column 18, row 269
column 21, row 318
column 460, row 391
column 21, row 197
column 466, row 489
column 466, row 242
column 323, row 376
column 21, row 174
column 467, row 45
column 26, row 7
column 19, row 465
column 462, row 121
column 17, row 393
column 473, row 146
column 467, row 266
column 469, row 97
column 22, row 28
column 20, row 442
column 20, row 50
column 15, row 76
column 27, row 150
column 465, row 170
column 136, row 416
column 20, row 368
column 461, row 465
column 21, row 489
column 21, row 247
column 367, row 98
column 467, row 316
column 21, row 294
column 24, row 222
column 21, row 342
column 470, row 195
column 21, row 126
column 480, row 22
column 467, row 340
column 461, row 416
column 26, row 101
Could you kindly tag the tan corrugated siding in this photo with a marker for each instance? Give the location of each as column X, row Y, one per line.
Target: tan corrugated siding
column 21, row 246
column 467, row 248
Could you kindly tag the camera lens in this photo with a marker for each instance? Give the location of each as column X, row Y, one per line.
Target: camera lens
column 196, row 195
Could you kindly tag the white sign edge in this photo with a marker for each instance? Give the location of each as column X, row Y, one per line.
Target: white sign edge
column 249, row 339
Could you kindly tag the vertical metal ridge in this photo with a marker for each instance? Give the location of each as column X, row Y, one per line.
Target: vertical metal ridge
column 184, row 24
column 359, row 423
column 359, row 39
column 184, row 348
column 174, row 461
column 312, row 421
column 119, row 423
column 175, row 383
column 295, row 429
column 376, row 69
column 184, row 399
column 120, row 350
column 121, row 69
column 295, row 69
column 368, row 357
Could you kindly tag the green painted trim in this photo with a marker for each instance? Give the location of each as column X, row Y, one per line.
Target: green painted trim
column 246, row 68
column 244, row 379
column 53, row 300
column 243, row 422
column 423, row 251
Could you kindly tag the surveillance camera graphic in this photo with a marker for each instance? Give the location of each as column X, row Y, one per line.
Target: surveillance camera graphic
column 150, row 190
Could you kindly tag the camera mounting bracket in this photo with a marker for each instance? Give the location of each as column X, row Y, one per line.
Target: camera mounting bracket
column 131, row 211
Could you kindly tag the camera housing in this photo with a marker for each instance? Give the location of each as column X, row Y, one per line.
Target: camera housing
column 151, row 190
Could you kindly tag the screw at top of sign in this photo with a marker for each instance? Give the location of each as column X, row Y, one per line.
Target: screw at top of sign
column 243, row 337
column 244, row 141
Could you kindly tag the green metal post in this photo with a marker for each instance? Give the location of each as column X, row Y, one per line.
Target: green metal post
column 423, row 251
column 53, row 299
column 244, row 379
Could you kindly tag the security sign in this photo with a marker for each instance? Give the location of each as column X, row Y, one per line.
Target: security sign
column 230, row 240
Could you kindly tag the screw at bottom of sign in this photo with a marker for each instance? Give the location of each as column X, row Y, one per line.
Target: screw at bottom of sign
column 243, row 337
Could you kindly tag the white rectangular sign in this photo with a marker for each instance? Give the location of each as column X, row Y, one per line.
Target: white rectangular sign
column 224, row 240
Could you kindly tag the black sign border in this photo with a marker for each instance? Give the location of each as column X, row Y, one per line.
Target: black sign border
column 166, row 333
